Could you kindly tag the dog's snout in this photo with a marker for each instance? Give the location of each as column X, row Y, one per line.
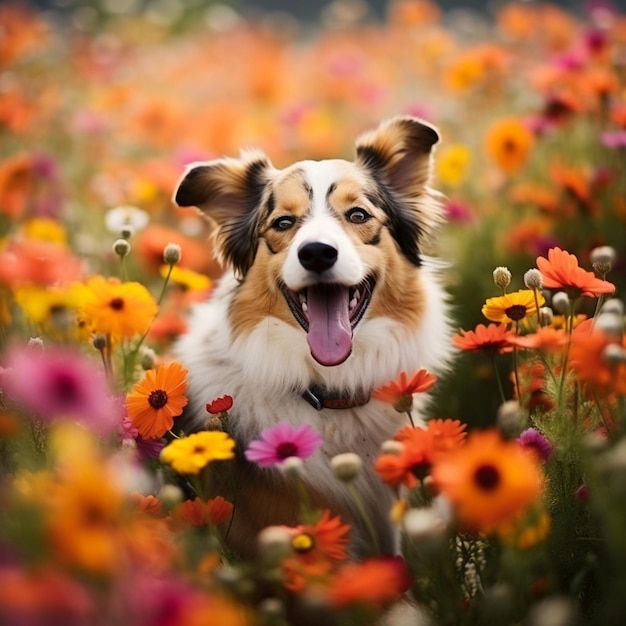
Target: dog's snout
column 317, row 257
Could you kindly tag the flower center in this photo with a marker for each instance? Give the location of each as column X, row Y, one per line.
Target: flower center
column 157, row 399
column 516, row 312
column 117, row 304
column 286, row 449
column 487, row 477
column 66, row 389
column 302, row 543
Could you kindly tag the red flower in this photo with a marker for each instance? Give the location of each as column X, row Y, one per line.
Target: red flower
column 493, row 339
column 197, row 512
column 561, row 271
column 399, row 393
column 220, row 405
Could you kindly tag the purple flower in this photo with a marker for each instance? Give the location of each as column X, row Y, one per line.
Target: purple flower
column 59, row 383
column 532, row 439
column 283, row 441
column 613, row 139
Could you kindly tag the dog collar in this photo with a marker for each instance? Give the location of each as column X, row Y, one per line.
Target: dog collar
column 321, row 398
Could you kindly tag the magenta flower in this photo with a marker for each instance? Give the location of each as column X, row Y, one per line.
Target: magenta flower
column 59, row 383
column 283, row 441
column 532, row 439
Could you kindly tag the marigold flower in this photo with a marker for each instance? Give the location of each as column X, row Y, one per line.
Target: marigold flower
column 190, row 455
column 561, row 271
column 281, row 442
column 488, row 481
column 375, row 581
column 399, row 393
column 512, row 307
column 508, row 143
column 157, row 399
column 492, row 339
column 119, row 309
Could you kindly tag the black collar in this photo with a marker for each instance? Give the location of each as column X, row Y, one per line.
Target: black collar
column 321, row 398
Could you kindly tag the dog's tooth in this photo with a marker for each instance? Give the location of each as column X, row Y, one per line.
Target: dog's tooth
column 302, row 297
column 357, row 295
column 353, row 303
column 305, row 308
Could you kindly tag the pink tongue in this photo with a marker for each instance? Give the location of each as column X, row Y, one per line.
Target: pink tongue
column 330, row 335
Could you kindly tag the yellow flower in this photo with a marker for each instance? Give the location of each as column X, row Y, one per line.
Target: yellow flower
column 45, row 229
column 186, row 278
column 512, row 307
column 54, row 309
column 191, row 454
column 452, row 164
column 118, row 309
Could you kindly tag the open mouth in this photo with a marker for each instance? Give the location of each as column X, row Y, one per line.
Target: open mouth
column 328, row 313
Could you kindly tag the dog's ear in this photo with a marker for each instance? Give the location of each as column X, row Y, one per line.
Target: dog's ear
column 230, row 192
column 398, row 155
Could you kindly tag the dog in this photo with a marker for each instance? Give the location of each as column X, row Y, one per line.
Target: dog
column 325, row 296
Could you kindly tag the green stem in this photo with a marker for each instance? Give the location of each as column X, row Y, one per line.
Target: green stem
column 515, row 367
column 498, row 378
column 356, row 496
column 410, row 419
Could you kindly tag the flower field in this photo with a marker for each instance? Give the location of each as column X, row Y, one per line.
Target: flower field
column 510, row 500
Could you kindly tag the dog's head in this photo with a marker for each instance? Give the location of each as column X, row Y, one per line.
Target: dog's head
column 323, row 245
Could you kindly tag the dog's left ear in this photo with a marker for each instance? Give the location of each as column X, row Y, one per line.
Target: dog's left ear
column 230, row 192
column 398, row 155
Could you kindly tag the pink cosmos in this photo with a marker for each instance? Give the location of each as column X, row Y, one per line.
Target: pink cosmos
column 283, row 441
column 59, row 383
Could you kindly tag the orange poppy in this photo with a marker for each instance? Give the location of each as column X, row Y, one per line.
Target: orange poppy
column 492, row 339
column 489, row 481
column 375, row 581
column 155, row 401
column 399, row 393
column 508, row 143
column 561, row 271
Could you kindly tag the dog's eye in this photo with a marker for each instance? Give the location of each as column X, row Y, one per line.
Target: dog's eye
column 357, row 215
column 285, row 222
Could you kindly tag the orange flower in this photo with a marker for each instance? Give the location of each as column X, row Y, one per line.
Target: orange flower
column 155, row 401
column 329, row 534
column 508, row 143
column 375, row 581
column 561, row 271
column 492, row 339
column 196, row 512
column 589, row 362
column 488, row 481
column 400, row 393
column 546, row 338
column 118, row 309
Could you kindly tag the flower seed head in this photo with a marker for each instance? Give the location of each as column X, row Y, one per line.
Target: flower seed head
column 172, row 253
column 346, row 466
column 391, row 446
column 121, row 247
column 510, row 419
column 614, row 355
column 560, row 301
column 99, row 341
column 502, row 277
column 36, row 344
column 170, row 495
column 610, row 324
column 604, row 255
column 613, row 305
column 533, row 279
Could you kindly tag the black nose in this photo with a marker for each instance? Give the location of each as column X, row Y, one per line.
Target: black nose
column 317, row 257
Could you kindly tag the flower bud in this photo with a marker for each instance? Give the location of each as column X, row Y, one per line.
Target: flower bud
column 603, row 259
column 613, row 305
column 170, row 495
column 346, row 466
column 546, row 316
column 35, row 343
column 121, row 247
column 99, row 341
column 148, row 359
column 510, row 419
column 293, row 468
column 533, row 279
column 274, row 543
column 554, row 611
column 172, row 253
column 610, row 324
column 614, row 355
column 502, row 277
column 560, row 301
column 391, row 446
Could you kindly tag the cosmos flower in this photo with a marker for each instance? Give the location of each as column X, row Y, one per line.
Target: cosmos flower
column 281, row 442
column 561, row 271
column 399, row 393
column 492, row 339
column 488, row 481
column 512, row 307
column 155, row 401
column 60, row 384
column 190, row 455
column 118, row 309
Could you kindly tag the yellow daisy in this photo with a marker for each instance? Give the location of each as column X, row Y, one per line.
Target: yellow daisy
column 512, row 307
column 191, row 454
column 186, row 278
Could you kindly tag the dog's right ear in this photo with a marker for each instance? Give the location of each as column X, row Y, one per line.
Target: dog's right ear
column 230, row 192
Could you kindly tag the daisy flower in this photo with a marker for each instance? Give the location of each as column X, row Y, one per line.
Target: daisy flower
column 281, row 442
column 561, row 271
column 399, row 393
column 119, row 309
column 192, row 454
column 512, row 307
column 489, row 481
column 492, row 339
column 155, row 401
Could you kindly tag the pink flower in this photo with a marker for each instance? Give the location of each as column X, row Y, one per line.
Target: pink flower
column 283, row 441
column 60, row 383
